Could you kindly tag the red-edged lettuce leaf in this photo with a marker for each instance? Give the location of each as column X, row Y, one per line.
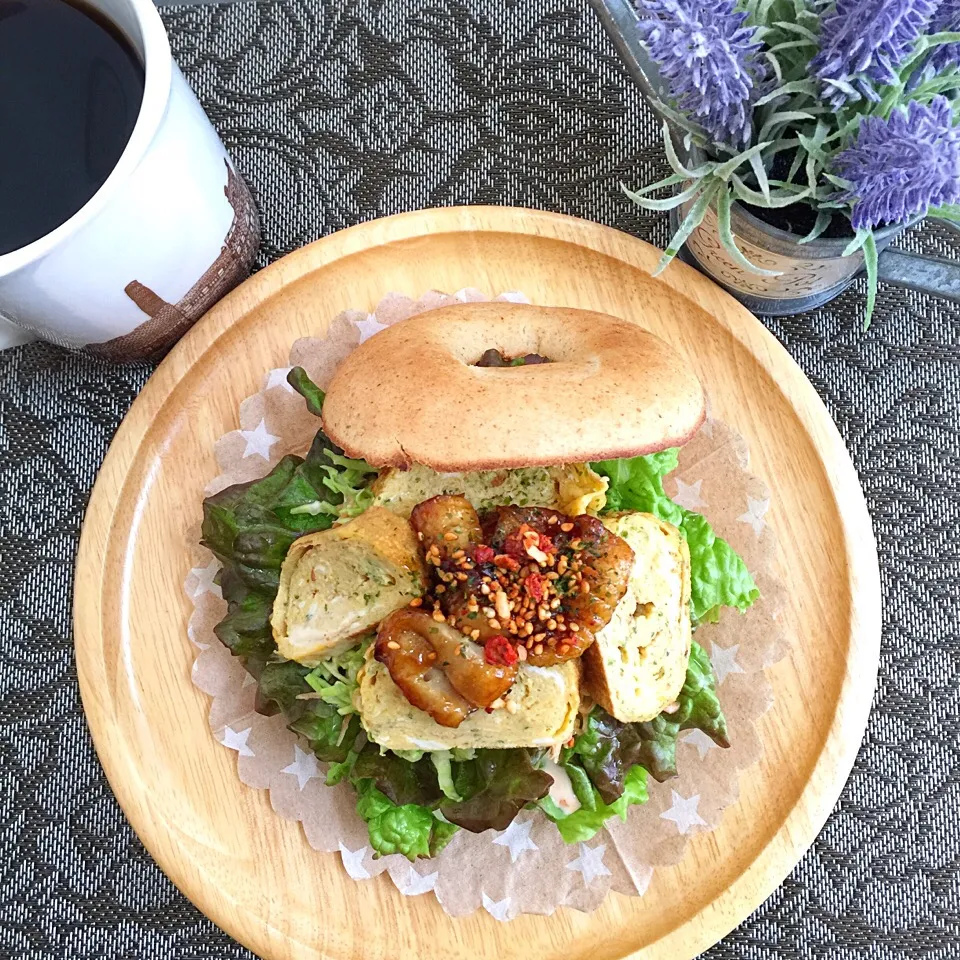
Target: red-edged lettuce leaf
column 496, row 785
column 608, row 749
column 401, row 781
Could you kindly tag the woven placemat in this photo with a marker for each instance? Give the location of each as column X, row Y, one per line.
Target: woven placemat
column 338, row 112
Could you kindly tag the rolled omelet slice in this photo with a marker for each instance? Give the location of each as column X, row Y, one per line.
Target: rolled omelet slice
column 638, row 663
column 540, row 710
column 341, row 582
column 572, row 489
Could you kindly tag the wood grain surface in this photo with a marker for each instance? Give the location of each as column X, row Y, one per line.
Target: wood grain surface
column 251, row 871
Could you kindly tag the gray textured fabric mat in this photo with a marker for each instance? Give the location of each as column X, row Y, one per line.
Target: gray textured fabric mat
column 338, row 112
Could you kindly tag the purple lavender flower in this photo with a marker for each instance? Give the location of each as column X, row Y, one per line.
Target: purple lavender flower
column 708, row 60
column 863, row 41
column 901, row 167
column 946, row 56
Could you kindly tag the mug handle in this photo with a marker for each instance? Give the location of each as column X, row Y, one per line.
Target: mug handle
column 12, row 335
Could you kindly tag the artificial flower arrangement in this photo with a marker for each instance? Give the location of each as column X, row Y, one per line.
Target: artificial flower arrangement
column 842, row 110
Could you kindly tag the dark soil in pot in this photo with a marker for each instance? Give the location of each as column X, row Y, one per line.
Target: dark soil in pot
column 799, row 220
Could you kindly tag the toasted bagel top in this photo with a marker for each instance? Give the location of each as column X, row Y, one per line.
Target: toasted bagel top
column 413, row 393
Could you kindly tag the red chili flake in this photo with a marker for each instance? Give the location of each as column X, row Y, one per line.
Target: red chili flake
column 500, row 651
column 504, row 562
column 534, row 585
column 546, row 544
column 484, row 554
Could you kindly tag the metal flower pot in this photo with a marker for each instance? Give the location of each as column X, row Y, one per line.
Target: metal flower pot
column 811, row 273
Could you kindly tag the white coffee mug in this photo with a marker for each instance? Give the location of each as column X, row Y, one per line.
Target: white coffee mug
column 170, row 231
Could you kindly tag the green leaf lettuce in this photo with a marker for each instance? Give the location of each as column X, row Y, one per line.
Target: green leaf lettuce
column 410, row 829
column 584, row 823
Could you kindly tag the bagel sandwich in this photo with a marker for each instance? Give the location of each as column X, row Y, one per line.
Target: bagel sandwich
column 473, row 594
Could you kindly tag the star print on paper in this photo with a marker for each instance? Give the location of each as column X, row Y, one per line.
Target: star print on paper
column 756, row 509
column 590, row 863
column 304, row 767
column 205, row 577
column 369, row 327
column 724, row 660
column 258, row 441
column 684, row 812
column 278, row 380
column 701, row 741
column 469, row 295
column 517, row 838
column 498, row 909
column 234, row 740
column 353, row 862
column 688, row 495
column 199, row 644
column 415, row 885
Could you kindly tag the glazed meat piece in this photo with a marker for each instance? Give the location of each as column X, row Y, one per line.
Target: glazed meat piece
column 542, row 580
column 607, row 561
column 438, row 670
column 449, row 529
column 445, row 524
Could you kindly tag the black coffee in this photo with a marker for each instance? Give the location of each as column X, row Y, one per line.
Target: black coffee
column 70, row 91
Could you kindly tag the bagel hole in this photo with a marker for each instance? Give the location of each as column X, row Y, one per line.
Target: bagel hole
column 494, row 358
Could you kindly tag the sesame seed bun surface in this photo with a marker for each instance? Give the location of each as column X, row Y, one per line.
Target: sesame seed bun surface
column 413, row 394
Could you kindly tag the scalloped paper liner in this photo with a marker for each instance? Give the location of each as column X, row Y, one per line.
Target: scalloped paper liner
column 526, row 868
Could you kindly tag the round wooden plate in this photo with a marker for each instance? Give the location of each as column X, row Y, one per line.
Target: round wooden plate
column 253, row 872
